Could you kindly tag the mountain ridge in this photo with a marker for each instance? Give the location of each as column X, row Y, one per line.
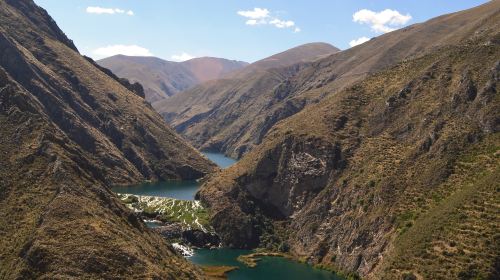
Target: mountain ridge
column 162, row 78
column 303, row 53
column 221, row 99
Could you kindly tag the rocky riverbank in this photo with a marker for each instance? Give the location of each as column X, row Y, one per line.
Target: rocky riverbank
column 183, row 222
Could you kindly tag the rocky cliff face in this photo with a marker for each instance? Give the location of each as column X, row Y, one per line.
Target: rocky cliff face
column 232, row 116
column 68, row 132
column 395, row 176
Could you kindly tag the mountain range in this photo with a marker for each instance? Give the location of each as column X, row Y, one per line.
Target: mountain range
column 162, row 79
column 233, row 115
column 239, row 109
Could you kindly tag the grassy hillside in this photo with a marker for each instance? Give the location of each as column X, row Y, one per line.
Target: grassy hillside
column 395, row 176
column 456, row 234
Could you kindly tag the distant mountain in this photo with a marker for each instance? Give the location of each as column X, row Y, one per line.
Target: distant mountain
column 234, row 105
column 212, row 68
column 394, row 176
column 161, row 78
column 69, row 131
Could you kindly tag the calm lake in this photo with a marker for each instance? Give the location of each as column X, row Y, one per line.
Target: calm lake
column 267, row 268
column 184, row 190
column 220, row 159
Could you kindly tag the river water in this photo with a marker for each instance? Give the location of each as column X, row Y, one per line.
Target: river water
column 269, row 268
column 184, row 190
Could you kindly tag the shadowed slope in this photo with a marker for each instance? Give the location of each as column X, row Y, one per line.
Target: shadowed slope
column 68, row 132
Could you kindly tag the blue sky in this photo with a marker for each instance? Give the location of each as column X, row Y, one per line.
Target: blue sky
column 241, row 30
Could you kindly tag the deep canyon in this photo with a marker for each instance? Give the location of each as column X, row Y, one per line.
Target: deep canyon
column 380, row 161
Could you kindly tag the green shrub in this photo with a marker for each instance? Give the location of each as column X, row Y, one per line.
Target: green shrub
column 284, row 247
column 409, row 276
column 371, row 184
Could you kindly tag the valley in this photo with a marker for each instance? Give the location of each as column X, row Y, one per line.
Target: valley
column 233, row 115
column 380, row 160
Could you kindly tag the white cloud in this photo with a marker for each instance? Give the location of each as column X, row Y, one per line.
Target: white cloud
column 130, row 50
column 256, row 13
column 381, row 22
column 109, row 11
column 252, row 22
column 259, row 16
column 358, row 41
column 282, row 23
column 182, row 57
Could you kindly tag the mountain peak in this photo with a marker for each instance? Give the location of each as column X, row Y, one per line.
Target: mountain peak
column 302, row 53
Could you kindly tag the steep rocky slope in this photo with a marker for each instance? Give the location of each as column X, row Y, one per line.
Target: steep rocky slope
column 231, row 114
column 162, row 78
column 229, row 127
column 68, row 132
column 396, row 176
